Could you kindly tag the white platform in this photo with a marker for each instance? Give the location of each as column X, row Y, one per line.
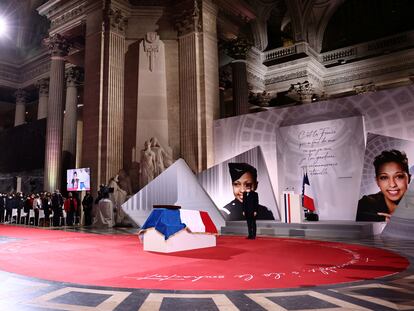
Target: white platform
column 181, row 241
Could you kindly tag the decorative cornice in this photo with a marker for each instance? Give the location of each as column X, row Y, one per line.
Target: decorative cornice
column 117, row 20
column 347, row 77
column 74, row 76
column 67, row 16
column 237, row 48
column 189, row 20
column 43, row 86
column 20, row 96
column 286, row 77
column 58, row 45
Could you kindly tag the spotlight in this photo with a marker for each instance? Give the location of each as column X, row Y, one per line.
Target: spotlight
column 3, row 26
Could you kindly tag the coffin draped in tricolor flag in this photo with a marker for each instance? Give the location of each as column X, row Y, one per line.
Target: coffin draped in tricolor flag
column 170, row 221
column 307, row 195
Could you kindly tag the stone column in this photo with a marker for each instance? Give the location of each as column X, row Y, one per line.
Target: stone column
column 73, row 77
column 43, row 86
column 238, row 49
column 102, row 146
column 20, row 113
column 58, row 47
column 199, row 87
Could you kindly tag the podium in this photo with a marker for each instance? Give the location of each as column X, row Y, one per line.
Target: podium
column 292, row 210
column 174, row 230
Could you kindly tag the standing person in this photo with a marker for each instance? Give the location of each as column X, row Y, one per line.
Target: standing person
column 57, row 202
column 392, row 177
column 37, row 205
column 87, row 204
column 47, row 206
column 71, row 206
column 250, row 209
column 10, row 204
column 75, row 181
column 2, row 204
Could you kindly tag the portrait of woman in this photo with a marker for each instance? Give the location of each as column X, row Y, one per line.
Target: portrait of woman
column 75, row 181
column 244, row 178
column 392, row 177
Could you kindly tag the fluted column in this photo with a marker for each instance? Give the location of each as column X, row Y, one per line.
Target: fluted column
column 20, row 112
column 43, row 86
column 115, row 113
column 238, row 49
column 58, row 47
column 102, row 145
column 199, row 87
column 73, row 77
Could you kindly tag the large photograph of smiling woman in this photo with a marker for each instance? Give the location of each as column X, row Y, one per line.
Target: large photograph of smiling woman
column 227, row 182
column 390, row 176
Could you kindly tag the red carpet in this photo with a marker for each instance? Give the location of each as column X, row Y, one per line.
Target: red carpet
column 236, row 263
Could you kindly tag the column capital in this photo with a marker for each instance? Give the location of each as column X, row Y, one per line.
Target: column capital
column 74, row 76
column 237, row 48
column 43, row 86
column 20, row 96
column 117, row 20
column 189, row 20
column 58, row 45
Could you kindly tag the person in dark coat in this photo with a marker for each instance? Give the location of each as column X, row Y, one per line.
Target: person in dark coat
column 2, row 207
column 87, row 204
column 243, row 176
column 250, row 210
column 392, row 177
column 57, row 203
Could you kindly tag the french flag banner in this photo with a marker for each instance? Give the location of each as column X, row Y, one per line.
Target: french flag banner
column 170, row 221
column 307, row 195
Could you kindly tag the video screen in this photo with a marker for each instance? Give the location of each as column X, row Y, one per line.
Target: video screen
column 78, row 179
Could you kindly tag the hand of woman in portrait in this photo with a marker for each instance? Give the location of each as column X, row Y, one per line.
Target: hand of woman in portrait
column 386, row 215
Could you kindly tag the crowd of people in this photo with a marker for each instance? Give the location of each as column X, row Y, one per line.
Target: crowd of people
column 45, row 208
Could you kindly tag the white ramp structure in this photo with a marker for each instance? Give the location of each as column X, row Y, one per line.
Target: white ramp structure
column 177, row 185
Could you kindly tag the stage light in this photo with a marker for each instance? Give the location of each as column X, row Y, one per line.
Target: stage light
column 3, row 26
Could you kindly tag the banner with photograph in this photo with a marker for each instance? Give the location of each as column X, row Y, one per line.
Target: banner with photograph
column 388, row 112
column 225, row 183
column 330, row 155
column 388, row 164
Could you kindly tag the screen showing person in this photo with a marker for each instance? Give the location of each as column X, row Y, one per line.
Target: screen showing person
column 244, row 178
column 392, row 177
column 78, row 179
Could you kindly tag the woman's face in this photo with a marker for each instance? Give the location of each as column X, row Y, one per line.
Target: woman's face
column 244, row 183
column 392, row 181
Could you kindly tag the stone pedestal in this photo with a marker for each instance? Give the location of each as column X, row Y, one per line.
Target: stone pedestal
column 152, row 110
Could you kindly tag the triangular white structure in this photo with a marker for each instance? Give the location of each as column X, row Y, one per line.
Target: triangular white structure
column 401, row 224
column 177, row 185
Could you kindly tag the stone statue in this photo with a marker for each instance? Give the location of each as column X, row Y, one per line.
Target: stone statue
column 162, row 158
column 118, row 197
column 147, row 164
column 124, row 181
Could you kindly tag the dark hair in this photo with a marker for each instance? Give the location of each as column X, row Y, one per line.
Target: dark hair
column 392, row 156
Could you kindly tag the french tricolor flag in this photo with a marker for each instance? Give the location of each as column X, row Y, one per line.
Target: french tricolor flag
column 197, row 221
column 170, row 221
column 307, row 195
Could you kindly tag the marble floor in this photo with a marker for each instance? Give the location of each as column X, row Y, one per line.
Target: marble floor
column 18, row 293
